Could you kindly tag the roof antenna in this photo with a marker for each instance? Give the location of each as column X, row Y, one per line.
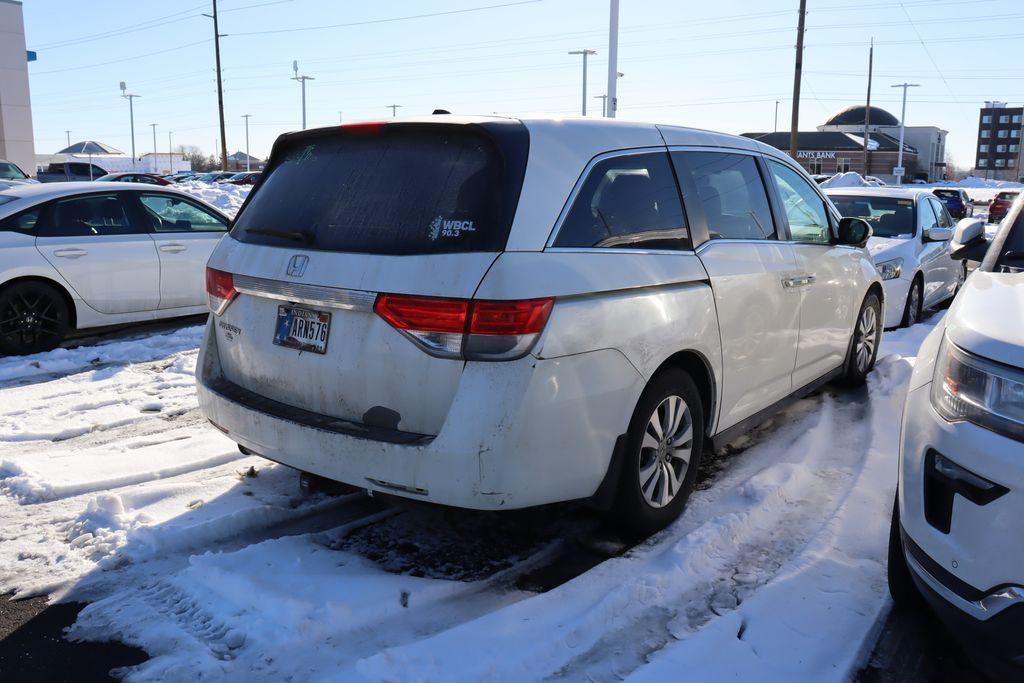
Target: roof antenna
column 439, row 111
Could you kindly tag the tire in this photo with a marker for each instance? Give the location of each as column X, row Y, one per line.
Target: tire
column 34, row 317
column 961, row 278
column 912, row 309
column 901, row 585
column 867, row 335
column 647, row 501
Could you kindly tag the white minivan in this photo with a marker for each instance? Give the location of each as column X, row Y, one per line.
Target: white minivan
column 497, row 313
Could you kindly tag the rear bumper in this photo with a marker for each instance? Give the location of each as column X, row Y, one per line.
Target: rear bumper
column 518, row 434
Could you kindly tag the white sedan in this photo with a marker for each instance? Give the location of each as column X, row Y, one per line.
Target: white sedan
column 79, row 255
column 910, row 246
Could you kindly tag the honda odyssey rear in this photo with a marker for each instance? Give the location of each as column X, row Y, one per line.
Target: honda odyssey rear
column 493, row 313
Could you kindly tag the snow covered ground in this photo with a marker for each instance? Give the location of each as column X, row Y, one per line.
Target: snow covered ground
column 113, row 489
column 228, row 198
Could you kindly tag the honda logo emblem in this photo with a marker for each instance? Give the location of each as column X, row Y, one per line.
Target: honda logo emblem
column 297, row 265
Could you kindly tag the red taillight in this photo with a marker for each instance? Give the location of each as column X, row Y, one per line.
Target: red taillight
column 368, row 128
column 509, row 317
column 220, row 289
column 462, row 328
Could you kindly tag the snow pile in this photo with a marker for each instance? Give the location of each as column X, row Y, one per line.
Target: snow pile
column 225, row 196
column 848, row 179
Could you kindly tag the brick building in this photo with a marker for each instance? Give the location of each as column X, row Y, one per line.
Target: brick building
column 998, row 152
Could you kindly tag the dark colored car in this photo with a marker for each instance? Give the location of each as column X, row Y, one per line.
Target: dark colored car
column 63, row 172
column 244, row 178
column 957, row 202
column 1000, row 205
column 147, row 178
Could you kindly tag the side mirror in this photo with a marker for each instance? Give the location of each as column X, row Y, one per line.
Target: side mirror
column 939, row 234
column 853, row 232
column 969, row 243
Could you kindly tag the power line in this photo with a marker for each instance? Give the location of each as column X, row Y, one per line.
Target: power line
column 124, row 59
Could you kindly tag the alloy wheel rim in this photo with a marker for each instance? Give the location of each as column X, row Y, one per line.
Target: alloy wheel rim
column 867, row 338
column 28, row 319
column 665, row 451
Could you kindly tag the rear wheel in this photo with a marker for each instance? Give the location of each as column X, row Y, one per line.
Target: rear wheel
column 915, row 297
column 34, row 317
column 663, row 451
column 863, row 351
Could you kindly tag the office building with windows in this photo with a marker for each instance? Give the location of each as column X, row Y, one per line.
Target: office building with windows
column 998, row 152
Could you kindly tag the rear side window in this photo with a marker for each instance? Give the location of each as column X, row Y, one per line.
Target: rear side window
column 629, row 201
column 731, row 192
column 398, row 190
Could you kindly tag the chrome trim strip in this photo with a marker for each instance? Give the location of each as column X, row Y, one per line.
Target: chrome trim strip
column 301, row 293
column 982, row 610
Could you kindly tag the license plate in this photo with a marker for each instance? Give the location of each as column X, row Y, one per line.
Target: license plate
column 302, row 329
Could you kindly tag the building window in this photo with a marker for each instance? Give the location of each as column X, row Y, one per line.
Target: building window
column 987, row 118
column 1000, row 148
column 1003, row 133
column 1014, row 148
column 843, row 165
column 1010, row 163
column 986, row 133
column 1015, row 133
column 1016, row 118
column 982, row 163
column 814, row 166
column 1000, row 163
column 983, row 148
column 1004, row 119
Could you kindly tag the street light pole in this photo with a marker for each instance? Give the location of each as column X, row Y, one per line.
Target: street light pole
column 246, row 117
column 131, row 116
column 903, row 116
column 170, row 152
column 776, row 116
column 156, row 160
column 586, row 53
column 604, row 104
column 68, row 132
column 613, row 58
column 394, row 109
column 302, row 80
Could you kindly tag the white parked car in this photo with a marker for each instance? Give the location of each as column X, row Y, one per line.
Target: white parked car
column 79, row 255
column 911, row 233
column 495, row 313
column 959, row 518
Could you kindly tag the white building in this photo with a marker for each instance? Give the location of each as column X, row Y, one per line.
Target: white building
column 15, row 105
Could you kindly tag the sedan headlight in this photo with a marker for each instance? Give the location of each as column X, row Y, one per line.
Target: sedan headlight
column 890, row 270
column 968, row 388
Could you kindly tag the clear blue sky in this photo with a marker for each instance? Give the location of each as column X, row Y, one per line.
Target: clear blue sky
column 718, row 65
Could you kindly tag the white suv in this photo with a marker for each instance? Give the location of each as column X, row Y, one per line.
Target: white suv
column 497, row 313
column 959, row 519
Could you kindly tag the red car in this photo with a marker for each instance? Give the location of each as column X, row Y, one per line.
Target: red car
column 1000, row 205
column 244, row 178
column 150, row 178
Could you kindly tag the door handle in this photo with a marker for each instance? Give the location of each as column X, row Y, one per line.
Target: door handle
column 70, row 253
column 798, row 281
column 172, row 248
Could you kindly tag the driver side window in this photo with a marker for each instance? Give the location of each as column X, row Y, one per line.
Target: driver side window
column 168, row 213
column 805, row 209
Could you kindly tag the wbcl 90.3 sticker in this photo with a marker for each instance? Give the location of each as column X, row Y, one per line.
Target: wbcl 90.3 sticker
column 447, row 227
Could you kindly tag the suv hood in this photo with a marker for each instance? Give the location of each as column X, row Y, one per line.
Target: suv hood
column 985, row 317
column 885, row 248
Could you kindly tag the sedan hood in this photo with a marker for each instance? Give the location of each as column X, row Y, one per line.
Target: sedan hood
column 885, row 248
column 985, row 317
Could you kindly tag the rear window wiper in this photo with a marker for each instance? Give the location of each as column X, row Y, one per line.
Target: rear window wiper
column 1013, row 256
column 293, row 235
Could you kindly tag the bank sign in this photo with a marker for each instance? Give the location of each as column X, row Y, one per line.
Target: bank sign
column 815, row 155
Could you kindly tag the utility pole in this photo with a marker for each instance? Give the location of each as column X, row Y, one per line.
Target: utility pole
column 170, row 152
column 220, row 87
column 903, row 116
column 604, row 104
column 156, row 159
column 131, row 116
column 776, row 116
column 867, row 112
column 613, row 59
column 246, row 117
column 393, row 108
column 339, row 116
column 302, row 80
column 795, row 122
column 68, row 133
column 586, row 53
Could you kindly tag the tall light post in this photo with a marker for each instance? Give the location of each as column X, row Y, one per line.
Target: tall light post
column 131, row 116
column 68, row 133
column 302, row 80
column 613, row 59
column 604, row 104
column 156, row 160
column 170, row 152
column 246, row 117
column 903, row 116
column 394, row 109
column 776, row 116
column 586, row 53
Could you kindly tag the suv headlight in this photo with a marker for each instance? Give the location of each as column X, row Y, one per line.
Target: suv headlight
column 989, row 394
column 890, row 270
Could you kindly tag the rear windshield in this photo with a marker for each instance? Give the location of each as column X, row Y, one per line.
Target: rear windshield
column 1008, row 196
column 947, row 194
column 888, row 216
column 398, row 190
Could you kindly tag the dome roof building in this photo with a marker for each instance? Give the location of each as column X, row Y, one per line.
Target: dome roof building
column 854, row 116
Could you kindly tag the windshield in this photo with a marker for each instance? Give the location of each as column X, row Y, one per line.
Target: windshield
column 109, row 177
column 399, row 190
column 947, row 194
column 9, row 171
column 1007, row 196
column 888, row 216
